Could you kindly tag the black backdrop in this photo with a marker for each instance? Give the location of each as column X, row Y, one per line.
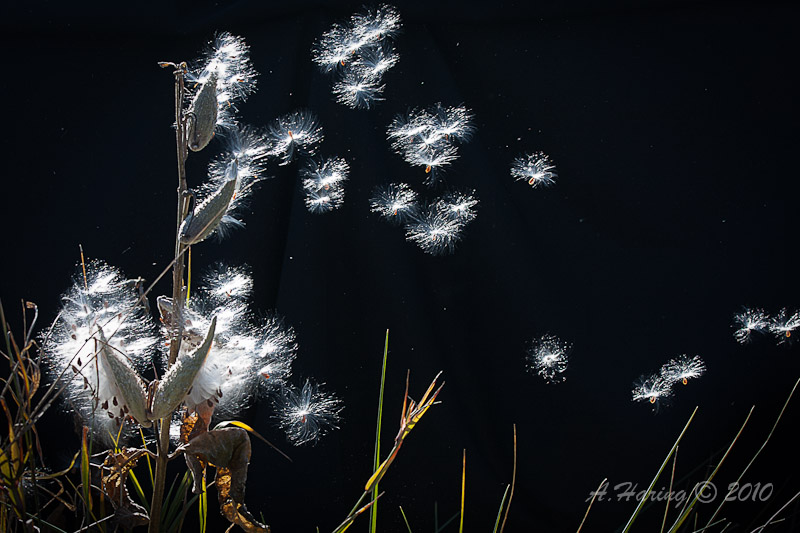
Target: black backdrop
column 674, row 131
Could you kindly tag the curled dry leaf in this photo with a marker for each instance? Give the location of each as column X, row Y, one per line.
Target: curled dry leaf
column 115, row 474
column 228, row 449
column 192, row 426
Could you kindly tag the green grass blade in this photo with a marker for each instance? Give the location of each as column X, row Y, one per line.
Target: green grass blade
column 655, row 479
column 147, row 457
column 408, row 527
column 85, row 475
column 139, row 492
column 174, row 503
column 376, row 461
column 688, row 509
column 500, row 509
column 447, row 523
column 202, row 509
column 763, row 445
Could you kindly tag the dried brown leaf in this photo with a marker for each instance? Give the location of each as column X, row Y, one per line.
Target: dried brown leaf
column 127, row 513
column 228, row 449
column 192, row 426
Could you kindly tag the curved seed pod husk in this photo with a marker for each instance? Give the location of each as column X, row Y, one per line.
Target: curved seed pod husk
column 128, row 381
column 202, row 116
column 176, row 383
column 207, row 216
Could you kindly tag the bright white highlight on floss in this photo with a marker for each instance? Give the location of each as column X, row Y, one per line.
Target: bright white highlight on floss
column 306, row 414
column 429, row 137
column 755, row 321
column 658, row 388
column 395, row 202
column 359, row 53
column 748, row 322
column 105, row 308
column 245, row 159
column 323, row 182
column 227, row 60
column 232, row 373
column 249, row 358
column 783, row 325
column 298, row 132
column 548, row 358
column 535, row 168
column 435, row 228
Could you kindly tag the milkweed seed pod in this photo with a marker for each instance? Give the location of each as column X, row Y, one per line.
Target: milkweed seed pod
column 177, row 382
column 201, row 119
column 227, row 61
column 131, row 387
column 207, row 216
column 76, row 357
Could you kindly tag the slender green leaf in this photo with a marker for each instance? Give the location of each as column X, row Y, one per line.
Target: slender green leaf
column 655, row 479
column 408, row 527
column 202, row 509
column 500, row 509
column 376, row 461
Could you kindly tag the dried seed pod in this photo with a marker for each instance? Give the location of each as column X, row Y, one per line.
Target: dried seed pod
column 127, row 380
column 176, row 383
column 207, row 216
column 201, row 119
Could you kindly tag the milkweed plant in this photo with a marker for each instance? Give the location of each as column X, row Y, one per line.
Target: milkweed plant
column 212, row 357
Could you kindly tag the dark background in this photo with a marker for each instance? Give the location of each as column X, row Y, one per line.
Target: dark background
column 673, row 126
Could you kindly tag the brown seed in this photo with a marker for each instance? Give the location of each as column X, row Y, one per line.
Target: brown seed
column 79, row 362
column 114, row 401
column 125, row 409
column 105, row 405
column 121, row 413
column 74, row 369
column 188, row 392
column 210, row 403
column 110, row 414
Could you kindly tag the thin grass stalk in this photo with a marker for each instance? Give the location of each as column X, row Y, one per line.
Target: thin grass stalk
column 376, row 459
column 688, row 508
column 202, row 508
column 463, row 490
column 669, row 494
column 779, row 511
column 513, row 481
column 500, row 509
column 658, row 474
column 594, row 495
column 408, row 527
column 763, row 445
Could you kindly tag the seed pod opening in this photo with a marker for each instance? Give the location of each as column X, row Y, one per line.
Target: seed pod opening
column 175, row 384
column 207, row 216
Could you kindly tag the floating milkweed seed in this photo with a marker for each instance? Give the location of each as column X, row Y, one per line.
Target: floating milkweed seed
column 201, row 119
column 175, row 384
column 207, row 216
